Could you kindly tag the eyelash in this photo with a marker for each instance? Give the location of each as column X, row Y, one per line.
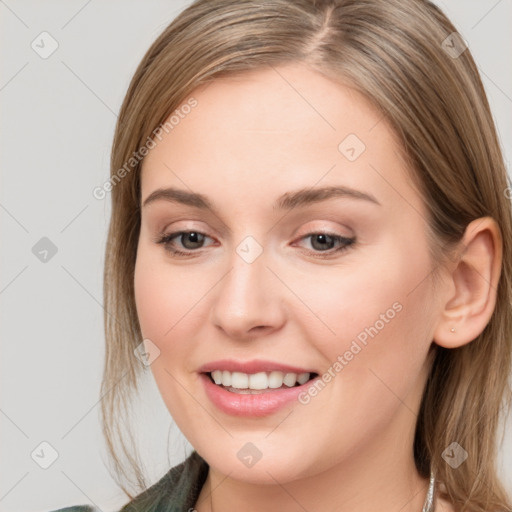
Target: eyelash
column 165, row 240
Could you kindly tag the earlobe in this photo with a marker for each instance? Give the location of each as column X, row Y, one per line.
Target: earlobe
column 472, row 290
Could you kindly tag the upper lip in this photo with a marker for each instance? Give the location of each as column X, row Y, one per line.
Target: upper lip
column 250, row 367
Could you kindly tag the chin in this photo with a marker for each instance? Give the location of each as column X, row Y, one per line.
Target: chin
column 254, row 459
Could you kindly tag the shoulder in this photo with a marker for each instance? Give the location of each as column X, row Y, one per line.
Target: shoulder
column 178, row 489
column 78, row 508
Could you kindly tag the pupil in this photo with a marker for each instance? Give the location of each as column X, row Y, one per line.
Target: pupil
column 193, row 236
column 321, row 237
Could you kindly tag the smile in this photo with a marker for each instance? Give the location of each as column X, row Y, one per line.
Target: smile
column 245, row 383
column 253, row 388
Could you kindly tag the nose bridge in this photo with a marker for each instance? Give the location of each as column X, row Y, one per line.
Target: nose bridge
column 247, row 296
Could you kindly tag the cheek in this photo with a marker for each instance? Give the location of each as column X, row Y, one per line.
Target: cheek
column 163, row 300
column 150, row 299
column 164, row 296
column 169, row 304
column 343, row 301
column 162, row 314
column 380, row 316
column 375, row 315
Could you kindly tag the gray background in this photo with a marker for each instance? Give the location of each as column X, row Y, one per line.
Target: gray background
column 58, row 117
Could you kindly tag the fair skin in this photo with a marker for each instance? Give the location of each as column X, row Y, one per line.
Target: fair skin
column 251, row 139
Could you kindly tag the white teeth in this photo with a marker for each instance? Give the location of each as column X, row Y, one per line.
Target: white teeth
column 239, row 380
column 290, row 379
column 302, row 378
column 258, row 381
column 275, row 380
column 226, row 378
column 217, row 376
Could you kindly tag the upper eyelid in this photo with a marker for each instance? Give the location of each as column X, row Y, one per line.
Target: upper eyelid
column 333, row 231
column 293, row 217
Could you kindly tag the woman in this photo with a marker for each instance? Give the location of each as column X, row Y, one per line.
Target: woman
column 310, row 248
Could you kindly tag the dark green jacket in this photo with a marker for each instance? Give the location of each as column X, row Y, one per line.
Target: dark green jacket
column 176, row 491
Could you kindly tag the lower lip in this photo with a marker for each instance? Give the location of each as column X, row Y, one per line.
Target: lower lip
column 261, row 404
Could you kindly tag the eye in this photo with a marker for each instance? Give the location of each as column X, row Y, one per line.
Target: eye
column 326, row 243
column 190, row 240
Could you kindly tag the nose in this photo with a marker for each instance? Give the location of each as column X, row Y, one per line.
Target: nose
column 249, row 300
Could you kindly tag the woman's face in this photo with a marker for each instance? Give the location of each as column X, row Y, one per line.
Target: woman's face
column 281, row 279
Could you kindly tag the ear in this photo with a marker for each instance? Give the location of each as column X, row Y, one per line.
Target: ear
column 472, row 285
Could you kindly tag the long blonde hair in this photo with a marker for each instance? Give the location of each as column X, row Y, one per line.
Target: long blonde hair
column 395, row 53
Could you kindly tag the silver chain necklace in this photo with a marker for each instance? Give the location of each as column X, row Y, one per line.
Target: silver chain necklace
column 428, row 506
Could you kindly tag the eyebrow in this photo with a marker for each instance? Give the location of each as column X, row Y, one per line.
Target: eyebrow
column 286, row 201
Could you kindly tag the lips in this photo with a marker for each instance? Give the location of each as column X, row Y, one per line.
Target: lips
column 253, row 388
column 254, row 366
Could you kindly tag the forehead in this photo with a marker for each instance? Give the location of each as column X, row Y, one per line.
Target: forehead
column 277, row 128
